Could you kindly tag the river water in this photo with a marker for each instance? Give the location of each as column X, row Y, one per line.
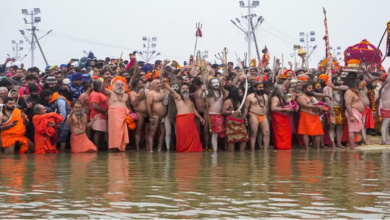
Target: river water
column 296, row 184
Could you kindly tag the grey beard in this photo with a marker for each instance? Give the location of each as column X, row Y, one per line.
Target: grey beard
column 186, row 95
column 119, row 90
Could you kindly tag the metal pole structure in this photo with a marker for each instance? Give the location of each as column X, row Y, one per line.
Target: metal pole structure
column 32, row 41
column 254, row 38
column 249, row 33
column 307, row 48
column 40, row 48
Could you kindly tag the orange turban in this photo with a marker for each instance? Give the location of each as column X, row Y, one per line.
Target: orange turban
column 303, row 78
column 118, row 78
column 324, row 77
column 155, row 76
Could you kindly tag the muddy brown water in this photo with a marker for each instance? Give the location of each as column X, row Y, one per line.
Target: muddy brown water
column 293, row 184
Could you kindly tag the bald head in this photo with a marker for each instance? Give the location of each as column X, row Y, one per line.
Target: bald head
column 3, row 92
column 156, row 85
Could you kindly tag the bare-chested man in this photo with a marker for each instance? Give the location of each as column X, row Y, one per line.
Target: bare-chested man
column 84, row 98
column 200, row 105
column 118, row 109
column 309, row 121
column 362, row 92
column 354, row 109
column 337, row 110
column 78, row 123
column 384, row 110
column 256, row 104
column 13, row 128
column 138, row 101
column 156, row 103
column 187, row 139
column 217, row 120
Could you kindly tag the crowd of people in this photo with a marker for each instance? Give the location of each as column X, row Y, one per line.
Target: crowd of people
column 118, row 105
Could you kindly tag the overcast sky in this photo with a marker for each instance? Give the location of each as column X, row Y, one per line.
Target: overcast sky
column 109, row 27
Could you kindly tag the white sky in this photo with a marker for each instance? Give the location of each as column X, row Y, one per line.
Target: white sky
column 121, row 24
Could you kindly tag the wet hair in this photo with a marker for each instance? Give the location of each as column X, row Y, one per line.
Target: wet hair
column 196, row 81
column 37, row 109
column 351, row 80
column 46, row 93
column 33, row 70
column 76, row 102
column 234, row 96
column 8, row 99
column 96, row 85
column 309, row 83
column 277, row 91
column 30, row 77
column 134, row 83
column 87, row 85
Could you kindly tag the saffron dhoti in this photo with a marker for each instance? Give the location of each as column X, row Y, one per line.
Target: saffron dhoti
column 118, row 135
column 45, row 136
column 309, row 124
column 187, row 136
column 370, row 123
column 80, row 143
column 281, row 131
column 235, row 130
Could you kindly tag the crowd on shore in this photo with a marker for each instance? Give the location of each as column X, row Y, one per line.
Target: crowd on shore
column 118, row 105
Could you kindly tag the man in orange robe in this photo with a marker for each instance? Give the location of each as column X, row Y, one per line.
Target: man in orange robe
column 13, row 128
column 45, row 125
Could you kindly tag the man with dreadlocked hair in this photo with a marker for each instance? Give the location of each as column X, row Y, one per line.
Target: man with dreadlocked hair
column 256, row 104
column 215, row 97
column 235, row 126
column 187, row 139
column 280, row 118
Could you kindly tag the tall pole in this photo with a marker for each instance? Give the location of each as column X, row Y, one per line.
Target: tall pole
column 32, row 41
column 249, row 33
column 254, row 39
column 40, row 48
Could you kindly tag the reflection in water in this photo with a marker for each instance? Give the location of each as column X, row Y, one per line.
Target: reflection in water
column 297, row 184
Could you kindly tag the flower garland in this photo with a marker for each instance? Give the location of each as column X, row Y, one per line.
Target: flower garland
column 371, row 93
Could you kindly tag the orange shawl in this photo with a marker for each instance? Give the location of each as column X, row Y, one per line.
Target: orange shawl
column 15, row 134
column 43, row 133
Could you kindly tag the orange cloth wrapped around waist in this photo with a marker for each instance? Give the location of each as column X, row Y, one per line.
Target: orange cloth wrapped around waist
column 309, row 124
column 16, row 133
column 259, row 117
column 385, row 113
column 80, row 144
column 282, row 132
column 370, row 123
column 44, row 133
column 118, row 135
column 187, row 136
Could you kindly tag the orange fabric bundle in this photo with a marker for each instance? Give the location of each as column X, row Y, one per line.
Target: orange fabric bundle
column 309, row 124
column 130, row 122
column 43, row 133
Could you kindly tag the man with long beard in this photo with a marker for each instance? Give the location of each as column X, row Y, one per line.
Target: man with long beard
column 138, row 101
column 187, row 139
column 309, row 121
column 118, row 109
column 217, row 120
column 256, row 104
column 336, row 109
column 282, row 134
column 13, row 128
column 156, row 104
